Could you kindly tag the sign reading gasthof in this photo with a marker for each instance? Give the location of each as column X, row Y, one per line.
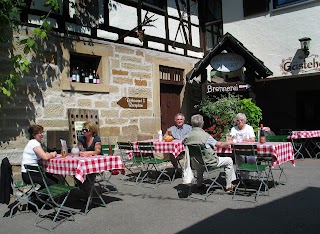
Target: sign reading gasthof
column 133, row 102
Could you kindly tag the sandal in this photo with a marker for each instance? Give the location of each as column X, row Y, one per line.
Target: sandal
column 230, row 189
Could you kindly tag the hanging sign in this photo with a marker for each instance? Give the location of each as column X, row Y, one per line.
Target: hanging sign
column 227, row 87
column 227, row 62
column 133, row 102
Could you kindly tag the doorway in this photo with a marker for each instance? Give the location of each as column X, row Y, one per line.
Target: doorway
column 169, row 104
column 308, row 109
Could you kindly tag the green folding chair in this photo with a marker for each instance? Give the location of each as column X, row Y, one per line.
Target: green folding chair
column 257, row 170
column 197, row 152
column 130, row 164
column 148, row 160
column 277, row 138
column 22, row 193
column 50, row 196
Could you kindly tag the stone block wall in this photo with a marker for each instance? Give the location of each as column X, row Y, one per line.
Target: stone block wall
column 41, row 98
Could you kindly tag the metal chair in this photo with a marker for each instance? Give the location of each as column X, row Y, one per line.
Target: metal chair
column 196, row 153
column 130, row 164
column 49, row 196
column 259, row 170
column 103, row 178
column 148, row 160
column 22, row 194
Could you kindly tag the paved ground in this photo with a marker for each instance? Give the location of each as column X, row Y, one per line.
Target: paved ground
column 290, row 208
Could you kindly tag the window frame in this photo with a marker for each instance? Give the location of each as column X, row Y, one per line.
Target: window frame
column 288, row 3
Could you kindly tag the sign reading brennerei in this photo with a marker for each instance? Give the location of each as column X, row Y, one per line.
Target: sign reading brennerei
column 227, row 87
column 133, row 102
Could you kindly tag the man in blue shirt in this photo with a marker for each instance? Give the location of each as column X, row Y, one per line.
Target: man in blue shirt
column 180, row 129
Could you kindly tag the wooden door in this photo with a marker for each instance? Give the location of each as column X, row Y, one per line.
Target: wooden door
column 169, row 104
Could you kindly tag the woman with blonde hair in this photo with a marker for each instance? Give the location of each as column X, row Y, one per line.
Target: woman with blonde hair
column 89, row 143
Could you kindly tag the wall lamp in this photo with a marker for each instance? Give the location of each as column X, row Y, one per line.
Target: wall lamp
column 305, row 45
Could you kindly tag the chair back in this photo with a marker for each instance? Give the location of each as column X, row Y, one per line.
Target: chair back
column 105, row 148
column 244, row 150
column 146, row 149
column 277, row 138
column 196, row 152
column 124, row 145
column 37, row 171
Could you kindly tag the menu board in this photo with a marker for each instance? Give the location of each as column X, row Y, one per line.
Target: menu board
column 78, row 128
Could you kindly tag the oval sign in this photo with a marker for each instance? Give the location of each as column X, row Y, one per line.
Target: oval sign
column 227, row 62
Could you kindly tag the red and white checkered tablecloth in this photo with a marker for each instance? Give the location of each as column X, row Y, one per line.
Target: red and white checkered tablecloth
column 305, row 134
column 174, row 147
column 281, row 151
column 81, row 166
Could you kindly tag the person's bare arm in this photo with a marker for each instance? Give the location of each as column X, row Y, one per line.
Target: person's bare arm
column 224, row 144
column 44, row 155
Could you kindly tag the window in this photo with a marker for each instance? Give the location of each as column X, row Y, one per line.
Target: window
column 171, row 75
column 157, row 3
column 252, row 7
column 213, row 22
column 283, row 3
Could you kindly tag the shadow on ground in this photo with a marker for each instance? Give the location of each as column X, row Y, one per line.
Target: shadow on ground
column 296, row 213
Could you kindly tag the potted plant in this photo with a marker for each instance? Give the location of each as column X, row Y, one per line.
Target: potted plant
column 222, row 111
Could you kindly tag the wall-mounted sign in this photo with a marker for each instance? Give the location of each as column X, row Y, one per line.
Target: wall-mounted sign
column 227, row 62
column 133, row 102
column 227, row 87
column 298, row 65
column 78, row 128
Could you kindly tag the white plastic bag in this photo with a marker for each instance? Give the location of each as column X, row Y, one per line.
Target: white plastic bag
column 187, row 174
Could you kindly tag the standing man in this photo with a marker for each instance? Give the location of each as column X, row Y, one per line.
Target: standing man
column 180, row 129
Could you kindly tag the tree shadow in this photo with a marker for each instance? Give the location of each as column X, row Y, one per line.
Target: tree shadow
column 297, row 213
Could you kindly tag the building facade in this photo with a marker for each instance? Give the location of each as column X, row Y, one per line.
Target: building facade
column 271, row 30
column 119, row 63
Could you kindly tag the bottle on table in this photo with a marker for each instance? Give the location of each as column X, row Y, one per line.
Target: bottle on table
column 262, row 135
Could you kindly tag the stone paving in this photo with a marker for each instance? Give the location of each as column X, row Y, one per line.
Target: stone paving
column 290, row 208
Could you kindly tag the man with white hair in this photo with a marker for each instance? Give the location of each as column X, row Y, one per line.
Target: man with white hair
column 199, row 136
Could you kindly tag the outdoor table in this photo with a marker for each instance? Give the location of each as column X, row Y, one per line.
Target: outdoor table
column 79, row 167
column 306, row 139
column 281, row 152
column 174, row 147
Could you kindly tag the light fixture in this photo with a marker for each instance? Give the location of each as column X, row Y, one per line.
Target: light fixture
column 305, row 45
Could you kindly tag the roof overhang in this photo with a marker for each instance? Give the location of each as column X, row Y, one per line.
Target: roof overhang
column 231, row 45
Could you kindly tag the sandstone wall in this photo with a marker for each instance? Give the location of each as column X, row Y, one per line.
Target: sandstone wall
column 44, row 97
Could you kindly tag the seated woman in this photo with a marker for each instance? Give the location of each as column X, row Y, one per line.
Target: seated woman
column 242, row 132
column 89, row 143
column 32, row 153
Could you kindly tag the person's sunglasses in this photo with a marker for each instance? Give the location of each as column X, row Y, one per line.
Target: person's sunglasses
column 86, row 130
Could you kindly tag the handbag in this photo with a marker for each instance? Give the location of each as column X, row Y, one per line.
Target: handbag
column 187, row 174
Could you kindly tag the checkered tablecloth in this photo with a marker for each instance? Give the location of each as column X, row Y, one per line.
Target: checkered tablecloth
column 174, row 147
column 305, row 134
column 81, row 166
column 281, row 151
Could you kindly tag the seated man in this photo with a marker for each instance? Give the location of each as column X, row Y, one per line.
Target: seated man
column 199, row 136
column 178, row 132
column 180, row 129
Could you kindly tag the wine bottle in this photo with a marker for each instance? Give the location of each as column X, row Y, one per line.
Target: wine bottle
column 97, row 78
column 262, row 135
column 77, row 75
column 94, row 77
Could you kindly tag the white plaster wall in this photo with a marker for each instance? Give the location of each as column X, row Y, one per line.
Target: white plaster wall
column 273, row 36
column 156, row 28
column 124, row 17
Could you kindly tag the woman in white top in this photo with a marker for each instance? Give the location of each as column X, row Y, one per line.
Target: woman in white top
column 243, row 132
column 33, row 152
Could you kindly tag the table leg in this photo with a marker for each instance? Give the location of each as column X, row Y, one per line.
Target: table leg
column 91, row 180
